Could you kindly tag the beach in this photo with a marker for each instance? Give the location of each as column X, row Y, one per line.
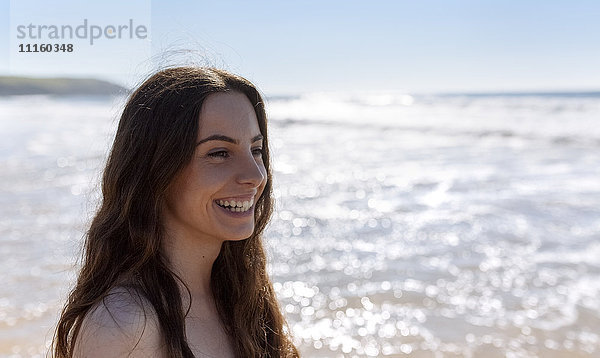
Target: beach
column 404, row 225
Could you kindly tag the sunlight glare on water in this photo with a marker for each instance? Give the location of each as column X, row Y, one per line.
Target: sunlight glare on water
column 429, row 226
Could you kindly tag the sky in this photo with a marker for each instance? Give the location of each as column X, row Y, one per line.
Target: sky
column 289, row 47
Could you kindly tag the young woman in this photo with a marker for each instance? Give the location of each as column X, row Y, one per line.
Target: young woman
column 174, row 264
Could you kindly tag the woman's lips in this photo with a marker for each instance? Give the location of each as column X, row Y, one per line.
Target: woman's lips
column 243, row 211
column 245, row 201
column 239, row 204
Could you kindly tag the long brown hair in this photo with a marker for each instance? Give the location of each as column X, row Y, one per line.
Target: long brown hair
column 155, row 140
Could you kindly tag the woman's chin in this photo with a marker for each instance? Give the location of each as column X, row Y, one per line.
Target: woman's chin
column 238, row 237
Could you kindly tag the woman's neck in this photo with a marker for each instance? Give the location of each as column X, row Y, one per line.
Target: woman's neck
column 192, row 258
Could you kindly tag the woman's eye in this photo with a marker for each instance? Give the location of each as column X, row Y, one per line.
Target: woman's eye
column 225, row 154
column 257, row 151
column 221, row 153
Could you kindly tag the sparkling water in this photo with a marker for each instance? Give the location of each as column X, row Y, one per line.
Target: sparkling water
column 427, row 226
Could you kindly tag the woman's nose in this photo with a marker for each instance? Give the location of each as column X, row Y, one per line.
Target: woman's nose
column 251, row 171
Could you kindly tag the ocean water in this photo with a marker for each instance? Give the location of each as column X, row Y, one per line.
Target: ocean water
column 419, row 226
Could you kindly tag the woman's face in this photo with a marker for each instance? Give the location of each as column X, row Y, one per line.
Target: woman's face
column 226, row 171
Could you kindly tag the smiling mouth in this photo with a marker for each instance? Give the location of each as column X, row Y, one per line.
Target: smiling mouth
column 235, row 206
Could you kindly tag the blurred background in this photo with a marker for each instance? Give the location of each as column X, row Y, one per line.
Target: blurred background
column 437, row 163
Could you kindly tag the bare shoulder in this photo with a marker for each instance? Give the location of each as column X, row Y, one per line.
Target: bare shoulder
column 123, row 324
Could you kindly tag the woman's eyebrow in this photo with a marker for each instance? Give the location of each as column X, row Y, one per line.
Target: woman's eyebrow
column 225, row 138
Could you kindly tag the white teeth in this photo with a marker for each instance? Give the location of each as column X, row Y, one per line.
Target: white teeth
column 237, row 206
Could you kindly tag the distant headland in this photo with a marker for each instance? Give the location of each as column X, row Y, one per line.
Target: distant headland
column 10, row 86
